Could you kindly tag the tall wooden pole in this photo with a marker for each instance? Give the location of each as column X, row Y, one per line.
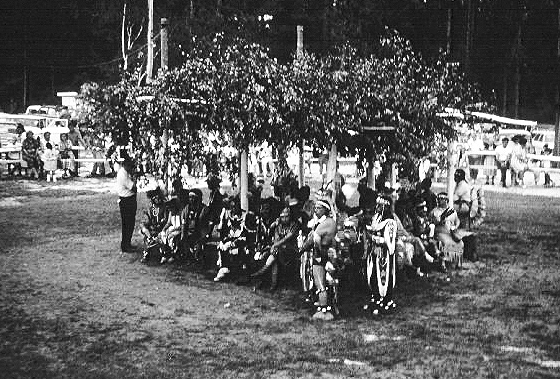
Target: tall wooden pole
column 164, row 65
column 370, row 172
column 301, row 165
column 449, row 17
column 450, row 170
column 25, row 68
column 331, row 168
column 150, row 63
column 557, row 121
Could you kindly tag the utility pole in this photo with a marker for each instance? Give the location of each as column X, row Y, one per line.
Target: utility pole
column 301, row 165
column 25, row 68
column 449, row 19
column 557, row 121
column 25, row 79
column 150, row 63
column 468, row 36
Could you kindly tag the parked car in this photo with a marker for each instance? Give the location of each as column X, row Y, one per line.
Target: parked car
column 7, row 133
column 48, row 110
column 38, row 124
column 541, row 138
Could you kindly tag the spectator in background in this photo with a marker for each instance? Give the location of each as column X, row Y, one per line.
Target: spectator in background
column 49, row 158
column 546, row 165
column 475, row 144
column 503, row 157
column 66, row 156
column 17, row 141
column 43, row 143
column 489, row 161
column 30, row 154
column 75, row 136
column 98, row 151
column 519, row 161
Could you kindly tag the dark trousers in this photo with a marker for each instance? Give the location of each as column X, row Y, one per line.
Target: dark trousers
column 76, row 164
column 127, row 206
column 503, row 167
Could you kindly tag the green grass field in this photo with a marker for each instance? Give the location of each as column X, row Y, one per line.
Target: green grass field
column 71, row 306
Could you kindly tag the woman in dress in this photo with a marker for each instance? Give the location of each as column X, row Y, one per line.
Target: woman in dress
column 519, row 162
column 30, row 153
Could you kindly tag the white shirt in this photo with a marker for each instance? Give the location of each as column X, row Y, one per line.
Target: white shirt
column 126, row 185
column 502, row 153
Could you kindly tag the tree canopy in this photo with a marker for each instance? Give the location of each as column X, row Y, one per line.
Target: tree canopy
column 233, row 90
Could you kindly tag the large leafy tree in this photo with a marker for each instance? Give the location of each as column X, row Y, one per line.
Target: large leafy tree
column 233, row 89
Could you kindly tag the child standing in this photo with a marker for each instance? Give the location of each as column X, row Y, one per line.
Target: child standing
column 50, row 157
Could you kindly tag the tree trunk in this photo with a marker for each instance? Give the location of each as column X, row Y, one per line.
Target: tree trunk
column 150, row 63
column 468, row 38
column 325, row 31
column 331, row 168
column 163, row 38
column 516, row 82
column 124, row 43
column 219, row 8
column 190, row 19
column 450, row 170
column 243, row 180
column 301, row 163
column 517, row 77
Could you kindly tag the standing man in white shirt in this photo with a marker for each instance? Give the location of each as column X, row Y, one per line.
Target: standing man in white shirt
column 503, row 155
column 126, row 189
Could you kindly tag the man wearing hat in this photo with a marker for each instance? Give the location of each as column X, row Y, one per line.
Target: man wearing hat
column 319, row 241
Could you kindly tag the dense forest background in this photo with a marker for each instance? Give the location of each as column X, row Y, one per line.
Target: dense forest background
column 510, row 47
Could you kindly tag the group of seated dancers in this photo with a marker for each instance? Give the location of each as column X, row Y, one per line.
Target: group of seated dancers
column 323, row 238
